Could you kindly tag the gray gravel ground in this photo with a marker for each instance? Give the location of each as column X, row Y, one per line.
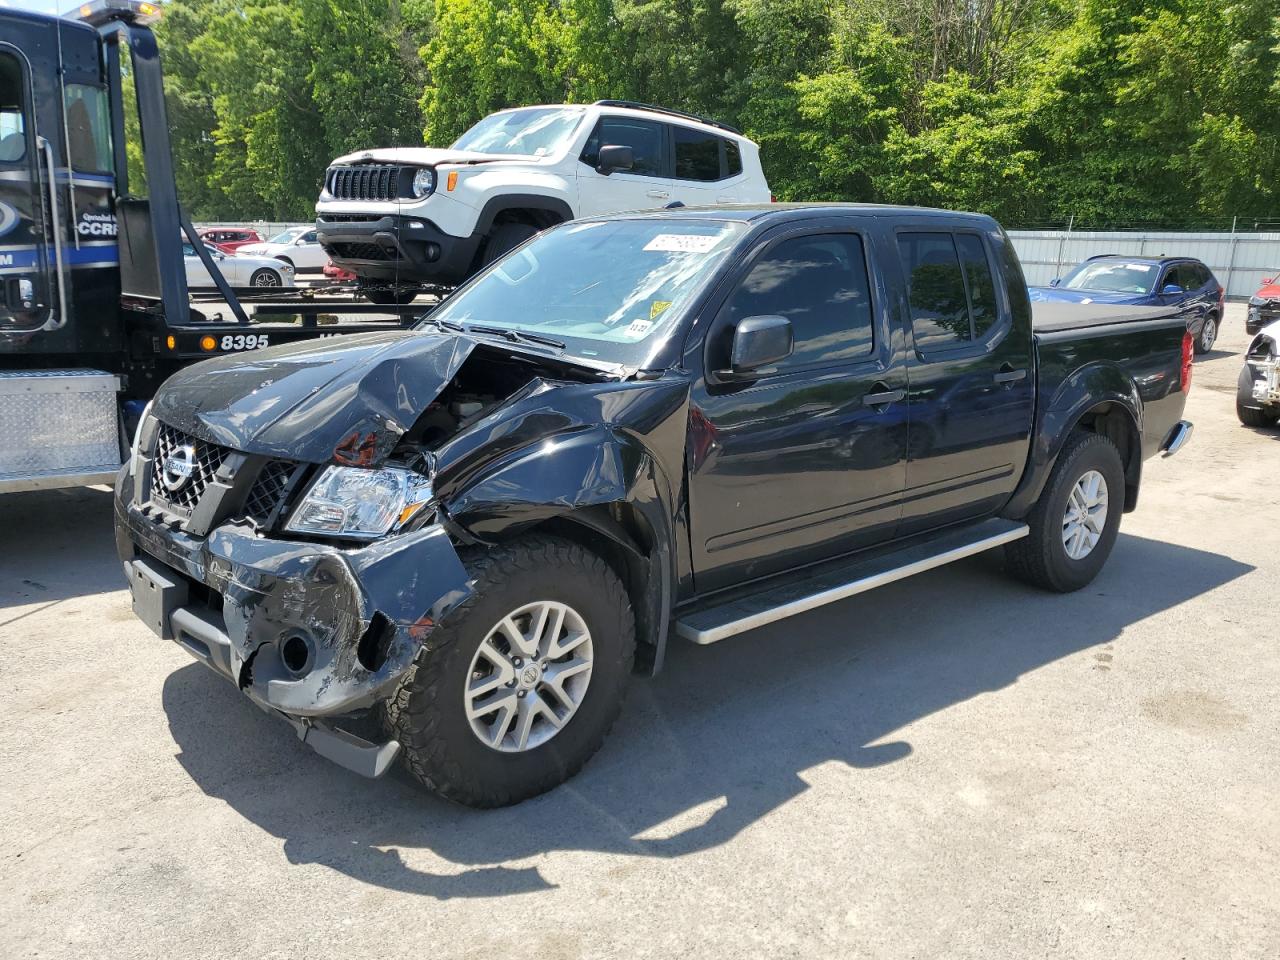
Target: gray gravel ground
column 954, row 766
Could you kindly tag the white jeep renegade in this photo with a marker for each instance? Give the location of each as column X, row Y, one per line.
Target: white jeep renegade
column 409, row 216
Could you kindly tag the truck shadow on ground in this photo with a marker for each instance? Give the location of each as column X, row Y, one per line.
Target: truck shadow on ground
column 46, row 537
column 717, row 741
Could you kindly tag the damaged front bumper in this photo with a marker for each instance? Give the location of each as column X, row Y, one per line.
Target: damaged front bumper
column 312, row 632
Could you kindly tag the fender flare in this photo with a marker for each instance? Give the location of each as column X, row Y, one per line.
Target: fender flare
column 607, row 490
column 520, row 201
column 1087, row 388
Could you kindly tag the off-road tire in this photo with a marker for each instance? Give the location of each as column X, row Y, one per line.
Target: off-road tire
column 505, row 238
column 1040, row 558
column 427, row 712
column 1253, row 417
column 385, row 296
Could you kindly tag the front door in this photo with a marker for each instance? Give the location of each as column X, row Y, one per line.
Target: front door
column 646, row 186
column 807, row 460
column 971, row 382
column 26, row 273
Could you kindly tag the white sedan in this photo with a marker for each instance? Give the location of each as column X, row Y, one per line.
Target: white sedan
column 240, row 271
column 296, row 246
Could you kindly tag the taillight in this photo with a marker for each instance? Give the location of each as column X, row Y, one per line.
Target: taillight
column 1188, row 354
column 773, row 198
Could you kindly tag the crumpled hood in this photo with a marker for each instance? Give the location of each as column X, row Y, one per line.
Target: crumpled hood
column 430, row 156
column 1064, row 295
column 345, row 399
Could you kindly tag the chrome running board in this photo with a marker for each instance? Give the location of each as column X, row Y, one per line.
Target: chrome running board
column 856, row 575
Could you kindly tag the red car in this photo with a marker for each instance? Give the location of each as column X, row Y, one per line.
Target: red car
column 1264, row 306
column 229, row 239
column 337, row 274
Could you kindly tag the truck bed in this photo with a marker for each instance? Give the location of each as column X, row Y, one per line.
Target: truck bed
column 1056, row 317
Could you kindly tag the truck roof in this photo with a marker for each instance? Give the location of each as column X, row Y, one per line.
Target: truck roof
column 781, row 212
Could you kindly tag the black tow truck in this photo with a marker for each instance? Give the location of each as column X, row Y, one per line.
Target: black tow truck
column 456, row 543
column 95, row 311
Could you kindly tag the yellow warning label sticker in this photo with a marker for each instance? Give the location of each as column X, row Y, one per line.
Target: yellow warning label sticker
column 657, row 307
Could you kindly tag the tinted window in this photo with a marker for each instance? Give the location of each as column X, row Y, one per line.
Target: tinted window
column 643, row 137
column 733, row 158
column 13, row 127
column 939, row 312
column 697, row 155
column 820, row 284
column 982, row 285
column 88, row 127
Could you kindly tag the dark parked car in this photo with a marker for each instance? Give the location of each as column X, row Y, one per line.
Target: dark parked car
column 701, row 419
column 1264, row 306
column 1178, row 282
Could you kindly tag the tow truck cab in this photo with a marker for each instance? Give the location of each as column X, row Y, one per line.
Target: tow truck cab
column 95, row 311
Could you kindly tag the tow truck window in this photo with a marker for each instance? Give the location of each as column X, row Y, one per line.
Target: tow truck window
column 88, row 128
column 13, row 127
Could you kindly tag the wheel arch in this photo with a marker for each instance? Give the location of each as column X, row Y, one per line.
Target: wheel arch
column 536, row 209
column 1100, row 398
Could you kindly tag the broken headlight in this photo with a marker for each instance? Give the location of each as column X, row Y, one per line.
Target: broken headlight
column 360, row 503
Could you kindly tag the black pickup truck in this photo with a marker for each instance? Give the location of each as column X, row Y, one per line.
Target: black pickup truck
column 469, row 535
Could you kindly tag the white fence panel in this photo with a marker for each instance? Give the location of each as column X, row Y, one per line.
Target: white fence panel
column 1240, row 261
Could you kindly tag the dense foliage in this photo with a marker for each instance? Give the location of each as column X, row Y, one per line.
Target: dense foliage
column 1109, row 111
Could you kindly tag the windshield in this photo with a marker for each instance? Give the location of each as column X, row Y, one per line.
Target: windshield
column 533, row 132
column 1113, row 276
column 289, row 235
column 603, row 288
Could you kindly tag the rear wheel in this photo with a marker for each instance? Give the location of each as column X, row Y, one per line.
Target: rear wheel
column 387, row 296
column 1253, row 417
column 265, row 277
column 1208, row 334
column 1075, row 522
column 520, row 684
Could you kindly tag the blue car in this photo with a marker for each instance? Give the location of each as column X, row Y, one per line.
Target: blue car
column 1146, row 281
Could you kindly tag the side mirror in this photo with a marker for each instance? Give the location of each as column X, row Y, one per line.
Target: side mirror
column 614, row 157
column 1055, row 281
column 759, row 342
column 1171, row 290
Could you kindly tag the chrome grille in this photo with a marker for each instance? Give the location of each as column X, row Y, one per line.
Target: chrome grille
column 268, row 491
column 378, row 181
column 168, row 487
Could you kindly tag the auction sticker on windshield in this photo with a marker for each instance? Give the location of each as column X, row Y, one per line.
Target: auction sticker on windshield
column 682, row 243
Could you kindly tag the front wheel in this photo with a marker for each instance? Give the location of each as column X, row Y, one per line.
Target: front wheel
column 1075, row 522
column 518, row 686
column 386, row 297
column 265, row 278
column 1208, row 334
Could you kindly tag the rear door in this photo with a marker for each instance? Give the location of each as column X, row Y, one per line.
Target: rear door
column 806, row 460
column 27, row 271
column 970, row 379
column 644, row 187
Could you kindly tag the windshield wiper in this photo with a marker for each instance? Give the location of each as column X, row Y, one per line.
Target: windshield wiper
column 517, row 336
column 445, row 325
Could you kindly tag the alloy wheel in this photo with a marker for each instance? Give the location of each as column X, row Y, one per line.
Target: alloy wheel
column 529, row 676
column 1086, row 515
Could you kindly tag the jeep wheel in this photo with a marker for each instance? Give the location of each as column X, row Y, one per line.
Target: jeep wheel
column 1075, row 522
column 382, row 295
column 505, row 238
column 521, row 683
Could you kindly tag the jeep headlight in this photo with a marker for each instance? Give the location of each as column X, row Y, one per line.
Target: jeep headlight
column 424, row 181
column 360, row 503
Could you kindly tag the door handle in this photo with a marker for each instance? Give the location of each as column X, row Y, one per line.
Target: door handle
column 726, row 199
column 1007, row 375
column 883, row 397
column 658, row 194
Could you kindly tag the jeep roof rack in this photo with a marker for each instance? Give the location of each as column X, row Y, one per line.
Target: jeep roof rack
column 637, row 105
